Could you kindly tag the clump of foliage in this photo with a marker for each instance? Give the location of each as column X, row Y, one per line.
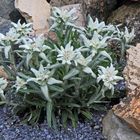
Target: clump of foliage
column 65, row 77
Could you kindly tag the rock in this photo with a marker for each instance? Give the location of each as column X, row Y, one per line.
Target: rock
column 132, row 70
column 4, row 25
column 116, row 129
column 129, row 109
column 99, row 8
column 128, row 15
column 15, row 16
column 37, row 12
column 59, row 3
column 8, row 11
column 6, row 7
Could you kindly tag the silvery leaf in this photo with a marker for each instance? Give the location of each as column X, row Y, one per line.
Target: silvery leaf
column 88, row 70
column 2, row 95
column 6, row 51
column 28, row 58
column 105, row 54
column 33, row 80
column 71, row 73
column 36, row 73
column 52, row 81
column 44, row 57
column 45, row 92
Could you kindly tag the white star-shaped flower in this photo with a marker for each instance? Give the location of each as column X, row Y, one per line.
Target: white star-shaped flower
column 67, row 54
column 109, row 76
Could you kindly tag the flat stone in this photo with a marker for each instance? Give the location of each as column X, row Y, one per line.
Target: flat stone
column 4, row 25
column 116, row 129
column 37, row 12
column 6, row 7
column 129, row 109
column 132, row 70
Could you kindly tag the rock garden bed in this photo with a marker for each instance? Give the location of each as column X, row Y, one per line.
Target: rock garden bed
column 67, row 75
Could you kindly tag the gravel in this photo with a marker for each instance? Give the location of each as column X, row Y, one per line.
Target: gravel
column 12, row 129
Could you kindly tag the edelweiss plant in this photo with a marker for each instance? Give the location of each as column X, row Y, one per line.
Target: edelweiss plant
column 66, row 77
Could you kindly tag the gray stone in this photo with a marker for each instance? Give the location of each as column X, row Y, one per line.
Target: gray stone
column 96, row 127
column 8, row 11
column 99, row 8
column 6, row 7
column 15, row 16
column 4, row 25
column 116, row 129
column 59, row 3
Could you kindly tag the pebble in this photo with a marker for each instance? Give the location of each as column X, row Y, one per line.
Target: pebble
column 17, row 131
column 96, row 127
